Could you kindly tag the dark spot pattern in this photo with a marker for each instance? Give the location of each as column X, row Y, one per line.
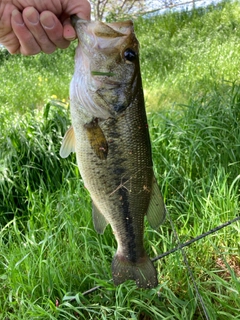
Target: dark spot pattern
column 128, row 224
column 119, row 108
column 118, row 171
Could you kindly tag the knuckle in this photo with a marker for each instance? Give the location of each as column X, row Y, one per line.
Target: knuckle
column 63, row 45
column 49, row 50
column 30, row 50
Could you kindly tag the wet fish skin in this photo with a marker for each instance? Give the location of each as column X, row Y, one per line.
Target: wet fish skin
column 110, row 136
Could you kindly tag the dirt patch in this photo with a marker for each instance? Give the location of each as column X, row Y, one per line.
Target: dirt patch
column 225, row 265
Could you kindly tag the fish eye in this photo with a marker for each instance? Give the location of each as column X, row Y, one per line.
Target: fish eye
column 130, row 55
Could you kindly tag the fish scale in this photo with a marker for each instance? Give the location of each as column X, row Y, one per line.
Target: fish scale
column 110, row 136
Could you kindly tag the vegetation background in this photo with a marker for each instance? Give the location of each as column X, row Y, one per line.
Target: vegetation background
column 50, row 254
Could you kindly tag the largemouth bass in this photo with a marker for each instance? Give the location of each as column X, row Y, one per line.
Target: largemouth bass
column 110, row 136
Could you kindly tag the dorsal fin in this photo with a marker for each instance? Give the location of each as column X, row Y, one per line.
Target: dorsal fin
column 68, row 143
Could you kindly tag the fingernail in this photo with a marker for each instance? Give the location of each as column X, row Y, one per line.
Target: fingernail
column 70, row 37
column 47, row 21
column 17, row 17
column 32, row 15
column 68, row 32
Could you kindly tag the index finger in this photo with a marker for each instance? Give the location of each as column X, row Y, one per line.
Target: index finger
column 54, row 29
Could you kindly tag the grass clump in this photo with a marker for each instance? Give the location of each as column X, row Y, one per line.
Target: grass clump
column 30, row 157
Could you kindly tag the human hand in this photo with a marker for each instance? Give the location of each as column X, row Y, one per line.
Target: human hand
column 29, row 27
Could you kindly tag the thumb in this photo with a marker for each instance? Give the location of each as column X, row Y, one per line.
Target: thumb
column 69, row 32
column 82, row 10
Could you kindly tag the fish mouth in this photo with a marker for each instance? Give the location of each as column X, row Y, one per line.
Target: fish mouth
column 101, row 65
column 102, row 30
column 117, row 26
column 111, row 39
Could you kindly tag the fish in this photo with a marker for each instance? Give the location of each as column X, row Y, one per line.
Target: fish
column 110, row 136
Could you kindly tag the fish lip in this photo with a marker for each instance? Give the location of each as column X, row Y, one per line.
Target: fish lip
column 114, row 25
column 75, row 19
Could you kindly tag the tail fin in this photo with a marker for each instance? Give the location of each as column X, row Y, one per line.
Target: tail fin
column 143, row 271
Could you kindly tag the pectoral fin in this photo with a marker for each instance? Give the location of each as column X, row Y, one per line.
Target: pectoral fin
column 68, row 144
column 97, row 139
column 99, row 221
column 156, row 210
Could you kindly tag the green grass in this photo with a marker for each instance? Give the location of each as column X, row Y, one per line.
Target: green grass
column 50, row 254
column 28, row 82
column 187, row 54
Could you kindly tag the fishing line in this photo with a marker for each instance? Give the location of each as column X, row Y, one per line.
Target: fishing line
column 180, row 246
column 185, row 259
column 201, row 236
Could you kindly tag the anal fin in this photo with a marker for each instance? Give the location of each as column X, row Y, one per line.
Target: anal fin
column 156, row 210
column 99, row 220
